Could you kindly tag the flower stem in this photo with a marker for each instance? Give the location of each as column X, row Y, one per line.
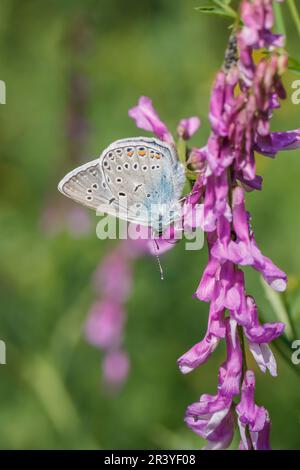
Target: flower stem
column 181, row 150
column 294, row 13
column 242, row 343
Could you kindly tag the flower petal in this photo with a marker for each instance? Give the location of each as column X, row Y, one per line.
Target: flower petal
column 147, row 118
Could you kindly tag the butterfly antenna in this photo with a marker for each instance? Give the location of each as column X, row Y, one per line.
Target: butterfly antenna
column 156, row 249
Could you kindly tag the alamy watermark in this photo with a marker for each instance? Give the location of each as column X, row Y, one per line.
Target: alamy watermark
column 296, row 94
column 2, row 92
column 2, row 352
column 162, row 222
column 296, row 354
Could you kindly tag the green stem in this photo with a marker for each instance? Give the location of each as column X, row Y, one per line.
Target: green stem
column 242, row 343
column 244, row 370
column 279, row 21
column 294, row 13
column 289, row 315
column 181, row 149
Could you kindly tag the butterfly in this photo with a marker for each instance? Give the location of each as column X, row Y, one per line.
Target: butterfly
column 137, row 179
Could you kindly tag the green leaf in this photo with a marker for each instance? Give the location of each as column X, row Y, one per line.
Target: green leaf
column 218, row 7
column 294, row 65
column 212, row 10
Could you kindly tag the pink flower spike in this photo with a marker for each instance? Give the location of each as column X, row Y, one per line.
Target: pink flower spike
column 188, row 127
column 148, row 119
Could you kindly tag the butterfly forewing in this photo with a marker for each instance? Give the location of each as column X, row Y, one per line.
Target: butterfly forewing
column 86, row 185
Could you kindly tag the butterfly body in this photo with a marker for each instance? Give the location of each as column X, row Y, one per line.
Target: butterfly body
column 137, row 179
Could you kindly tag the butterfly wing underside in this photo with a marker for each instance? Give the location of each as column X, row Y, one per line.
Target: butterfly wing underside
column 130, row 175
column 86, row 185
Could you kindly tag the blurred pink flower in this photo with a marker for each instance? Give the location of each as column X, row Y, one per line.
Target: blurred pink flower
column 104, row 325
column 115, row 368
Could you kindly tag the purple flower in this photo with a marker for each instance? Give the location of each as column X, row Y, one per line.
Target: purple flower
column 244, row 250
column 230, row 372
column 201, row 351
column 147, row 118
column 216, row 202
column 212, row 418
column 208, row 281
column 258, row 21
column 275, row 142
column 259, row 335
column 252, row 417
column 188, row 127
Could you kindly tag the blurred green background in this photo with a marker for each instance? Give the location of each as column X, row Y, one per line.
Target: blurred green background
column 89, row 61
